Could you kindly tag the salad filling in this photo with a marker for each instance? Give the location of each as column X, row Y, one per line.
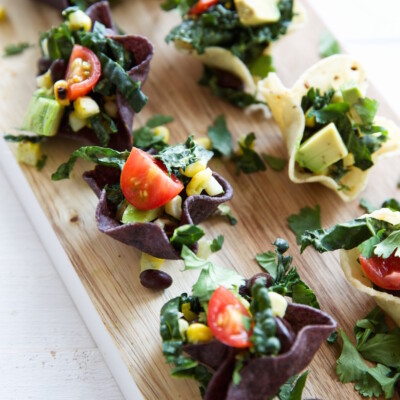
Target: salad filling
column 89, row 83
column 232, row 39
column 153, row 201
column 239, row 339
column 330, row 127
column 370, row 254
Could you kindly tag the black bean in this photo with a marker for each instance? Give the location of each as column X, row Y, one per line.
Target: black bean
column 266, row 275
column 285, row 334
column 226, row 79
column 155, row 279
column 58, row 70
column 44, row 64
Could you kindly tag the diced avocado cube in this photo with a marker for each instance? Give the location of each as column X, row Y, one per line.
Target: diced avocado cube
column 257, row 12
column 322, row 149
column 43, row 116
column 28, row 153
column 132, row 214
column 351, row 92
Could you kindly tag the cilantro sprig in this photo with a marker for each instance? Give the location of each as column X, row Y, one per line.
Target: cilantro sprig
column 376, row 343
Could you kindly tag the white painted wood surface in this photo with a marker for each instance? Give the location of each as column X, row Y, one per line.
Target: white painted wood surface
column 46, row 351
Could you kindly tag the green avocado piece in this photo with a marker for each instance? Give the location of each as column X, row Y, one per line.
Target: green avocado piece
column 43, row 116
column 351, row 92
column 257, row 12
column 132, row 214
column 322, row 149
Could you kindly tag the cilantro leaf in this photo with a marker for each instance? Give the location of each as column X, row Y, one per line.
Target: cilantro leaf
column 180, row 156
column 275, row 163
column 267, row 261
column 211, row 276
column 293, row 388
column 158, row 120
column 145, row 137
column 389, row 245
column 96, row 154
column 366, row 109
column 14, row 49
column 328, row 45
column 186, row 235
column 393, row 204
column 217, row 244
column 247, row 160
column 220, row 136
column 375, row 343
column 350, row 366
column 367, row 206
column 225, row 210
column 367, row 248
column 308, row 219
column 262, row 66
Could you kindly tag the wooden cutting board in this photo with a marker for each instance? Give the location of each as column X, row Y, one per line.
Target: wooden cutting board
column 102, row 274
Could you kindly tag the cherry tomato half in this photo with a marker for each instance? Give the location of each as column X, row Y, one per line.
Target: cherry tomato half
column 384, row 272
column 83, row 72
column 225, row 319
column 202, row 6
column 145, row 182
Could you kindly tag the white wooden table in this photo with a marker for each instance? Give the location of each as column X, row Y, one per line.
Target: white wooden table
column 46, row 351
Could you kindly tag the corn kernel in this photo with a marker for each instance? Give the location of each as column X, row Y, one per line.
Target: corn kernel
column 183, row 327
column 79, row 20
column 149, row 262
column 213, row 187
column 310, row 120
column 44, row 81
column 61, row 91
column 28, row 153
column 3, row 13
column 204, row 249
column 174, row 207
column 75, row 122
column 111, row 108
column 278, row 304
column 162, row 131
column 198, row 183
column 188, row 313
column 192, row 169
column 205, row 142
column 85, row 107
column 199, row 333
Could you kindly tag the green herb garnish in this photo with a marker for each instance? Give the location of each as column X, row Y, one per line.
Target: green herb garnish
column 376, row 343
column 14, row 49
column 247, row 160
column 221, row 138
column 226, row 211
column 328, row 45
column 308, row 219
column 186, row 235
column 286, row 279
column 275, row 163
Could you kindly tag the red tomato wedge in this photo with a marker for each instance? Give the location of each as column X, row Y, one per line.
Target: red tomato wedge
column 202, row 6
column 83, row 72
column 145, row 182
column 225, row 319
column 384, row 272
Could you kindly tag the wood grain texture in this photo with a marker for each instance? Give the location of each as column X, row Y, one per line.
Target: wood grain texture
column 262, row 202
